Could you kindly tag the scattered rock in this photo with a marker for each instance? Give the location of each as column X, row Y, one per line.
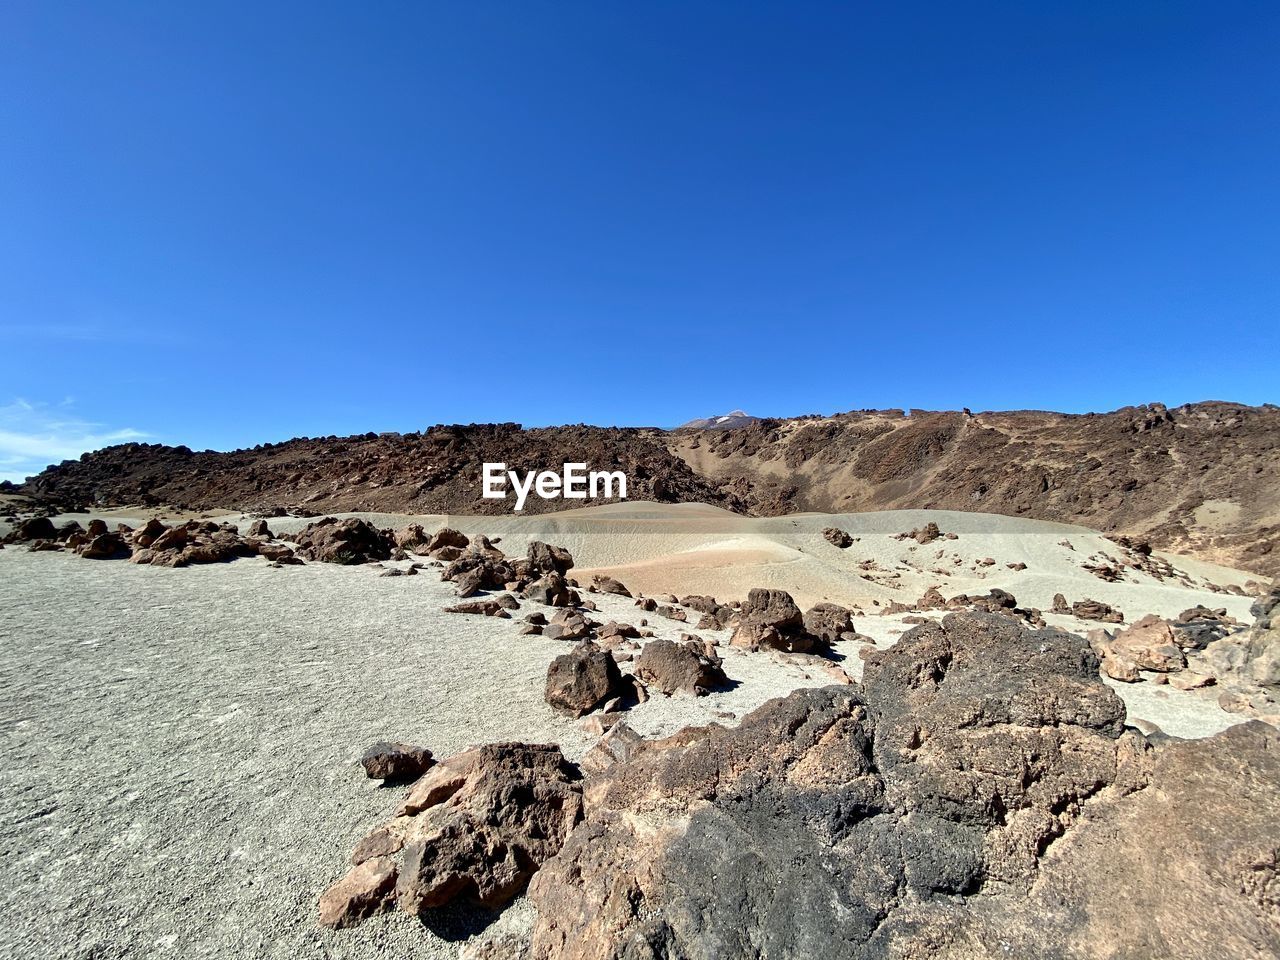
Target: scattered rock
column 837, row 537
column 482, row 608
column 610, row 585
column 579, row 681
column 396, row 762
column 679, row 668
column 770, row 619
column 350, row 541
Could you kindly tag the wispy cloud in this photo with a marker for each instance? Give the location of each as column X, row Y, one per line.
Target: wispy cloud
column 34, row 435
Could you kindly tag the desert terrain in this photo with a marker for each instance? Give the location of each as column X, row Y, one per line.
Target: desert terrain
column 183, row 746
column 1201, row 479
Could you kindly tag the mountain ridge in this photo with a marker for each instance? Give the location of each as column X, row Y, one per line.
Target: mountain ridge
column 1202, row 478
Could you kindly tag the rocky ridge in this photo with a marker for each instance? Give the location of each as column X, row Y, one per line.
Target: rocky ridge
column 1203, row 477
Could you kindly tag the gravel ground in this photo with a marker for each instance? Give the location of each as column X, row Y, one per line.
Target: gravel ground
column 181, row 746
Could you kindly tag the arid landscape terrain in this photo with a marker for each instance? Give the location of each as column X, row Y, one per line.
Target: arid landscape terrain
column 1201, row 478
column 634, row 729
column 698, row 481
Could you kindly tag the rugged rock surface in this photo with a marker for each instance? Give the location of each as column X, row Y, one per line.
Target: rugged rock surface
column 475, row 827
column 349, row 541
column 770, row 619
column 583, row 679
column 837, row 537
column 396, row 762
column 553, row 590
column 978, row 798
column 544, row 558
column 610, row 585
column 1247, row 663
column 1149, row 644
column 829, row 622
column 1142, row 471
column 670, row 667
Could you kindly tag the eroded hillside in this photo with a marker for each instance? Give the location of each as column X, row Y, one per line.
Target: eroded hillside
column 1203, row 478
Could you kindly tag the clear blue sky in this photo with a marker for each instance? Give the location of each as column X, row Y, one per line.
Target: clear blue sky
column 226, row 223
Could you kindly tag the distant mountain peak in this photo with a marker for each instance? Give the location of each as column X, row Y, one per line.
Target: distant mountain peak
column 724, row 421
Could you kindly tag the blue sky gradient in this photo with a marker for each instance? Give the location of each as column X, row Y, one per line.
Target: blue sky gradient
column 224, row 224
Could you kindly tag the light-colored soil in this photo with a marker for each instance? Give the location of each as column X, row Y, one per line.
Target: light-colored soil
column 180, row 768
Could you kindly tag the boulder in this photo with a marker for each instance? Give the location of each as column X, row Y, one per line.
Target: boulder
column 837, row 537
column 396, row 762
column 679, row 668
column 1095, row 610
column 411, row 537
column 610, row 585
column 770, row 619
column 259, row 528
column 543, row 558
column 1149, row 644
column 106, row 546
column 350, row 541
column 479, row 825
column 583, row 679
column 1247, row 663
column 150, row 531
column 475, row 827
column 366, row 890
column 552, row 590
column 827, row 621
column 36, row 528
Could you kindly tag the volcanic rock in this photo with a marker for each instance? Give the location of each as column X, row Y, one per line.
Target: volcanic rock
column 827, row 621
column 36, row 528
column 837, row 537
column 395, row 761
column 544, row 558
column 579, row 681
column 771, row 619
column 679, row 668
column 366, row 890
column 1149, row 644
column 350, row 541
column 107, row 546
column 913, row 818
column 1095, row 610
column 552, row 590
column 610, row 585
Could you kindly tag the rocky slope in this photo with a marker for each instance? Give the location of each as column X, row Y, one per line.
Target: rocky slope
column 977, row 795
column 1203, row 478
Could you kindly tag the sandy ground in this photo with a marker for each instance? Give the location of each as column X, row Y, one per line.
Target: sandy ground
column 180, row 746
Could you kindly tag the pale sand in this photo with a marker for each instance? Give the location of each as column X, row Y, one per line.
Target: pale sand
column 180, row 745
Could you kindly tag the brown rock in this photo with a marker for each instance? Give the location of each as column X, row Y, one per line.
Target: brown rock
column 395, row 761
column 679, row 668
column 365, row 890
column 579, row 681
column 837, row 537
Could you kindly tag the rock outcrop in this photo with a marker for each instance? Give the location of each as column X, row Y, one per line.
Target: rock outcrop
column 1247, row 664
column 349, row 541
column 476, row 827
column 914, row 817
